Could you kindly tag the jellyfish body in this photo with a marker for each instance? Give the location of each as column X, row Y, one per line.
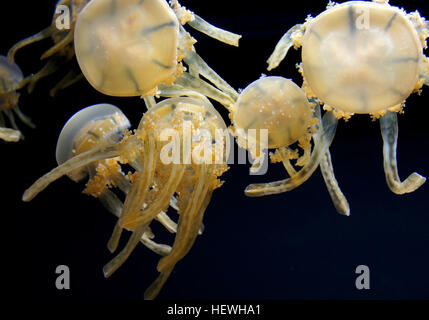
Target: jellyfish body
column 361, row 68
column 367, row 58
column 137, row 48
column 191, row 172
column 127, row 50
column 95, row 144
column 11, row 79
column 279, row 106
column 275, row 104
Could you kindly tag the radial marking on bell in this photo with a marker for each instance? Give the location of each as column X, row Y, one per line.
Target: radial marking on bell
column 397, row 92
column 113, row 7
column 295, row 101
column 404, row 60
column 389, row 24
column 103, row 79
column 130, row 75
column 289, row 131
column 352, row 20
column 160, row 64
column 113, row 120
column 259, row 89
column 364, row 101
column 148, row 31
column 96, row 136
column 317, row 35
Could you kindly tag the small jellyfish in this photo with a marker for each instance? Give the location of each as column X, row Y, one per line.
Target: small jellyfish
column 177, row 159
column 281, row 107
column 365, row 58
column 62, row 52
column 137, row 48
column 11, row 79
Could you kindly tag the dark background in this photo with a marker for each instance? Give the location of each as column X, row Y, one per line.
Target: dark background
column 288, row 246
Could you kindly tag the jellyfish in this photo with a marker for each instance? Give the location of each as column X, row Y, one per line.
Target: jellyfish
column 363, row 57
column 11, row 79
column 292, row 121
column 135, row 48
column 61, row 53
column 177, row 157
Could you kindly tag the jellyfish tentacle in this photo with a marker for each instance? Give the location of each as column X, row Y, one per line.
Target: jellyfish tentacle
column 282, row 48
column 117, row 261
column 71, row 78
column 140, row 217
column 337, row 196
column 329, row 125
column 149, row 101
column 174, row 90
column 224, row 36
column 153, row 290
column 286, row 161
column 59, row 45
column 23, row 117
column 158, row 248
column 138, row 192
column 121, row 182
column 187, row 81
column 166, row 221
column 44, row 34
column 196, row 22
column 102, row 152
column 10, row 135
column 11, row 118
column 112, row 203
column 112, row 245
column 190, row 223
column 339, row 200
column 389, row 132
column 194, row 60
column 49, row 68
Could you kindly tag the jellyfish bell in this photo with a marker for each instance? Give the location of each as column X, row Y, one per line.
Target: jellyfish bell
column 362, row 68
column 10, row 75
column 127, row 48
column 87, row 128
column 275, row 104
column 369, row 67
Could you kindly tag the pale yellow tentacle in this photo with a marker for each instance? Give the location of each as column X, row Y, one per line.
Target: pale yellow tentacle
column 44, row 34
column 329, row 126
column 282, row 48
column 389, row 131
column 79, row 161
